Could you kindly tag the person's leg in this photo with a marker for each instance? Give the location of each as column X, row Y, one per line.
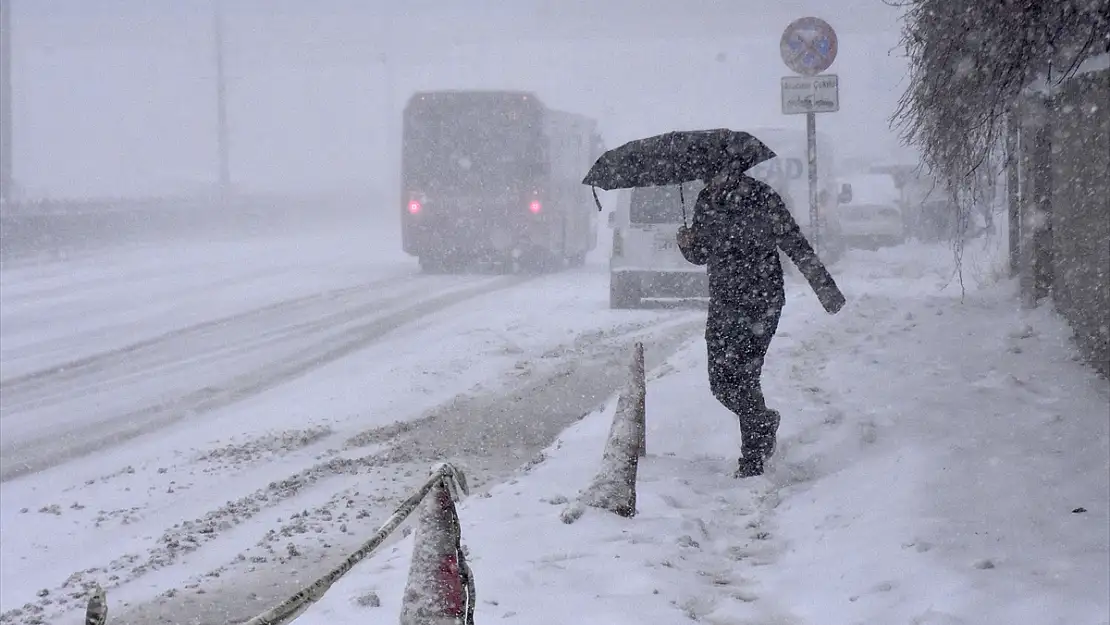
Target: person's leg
column 758, row 423
column 726, row 338
column 737, row 342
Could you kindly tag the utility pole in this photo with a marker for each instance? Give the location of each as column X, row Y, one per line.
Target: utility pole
column 221, row 101
column 387, row 58
column 390, row 145
column 6, row 190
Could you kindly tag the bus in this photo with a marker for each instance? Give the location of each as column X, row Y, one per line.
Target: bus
column 494, row 177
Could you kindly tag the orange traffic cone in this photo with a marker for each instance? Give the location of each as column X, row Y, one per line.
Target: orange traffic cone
column 440, row 588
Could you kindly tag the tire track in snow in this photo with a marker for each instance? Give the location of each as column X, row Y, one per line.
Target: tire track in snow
column 180, row 351
column 496, row 433
column 32, row 295
column 66, row 371
column 52, row 449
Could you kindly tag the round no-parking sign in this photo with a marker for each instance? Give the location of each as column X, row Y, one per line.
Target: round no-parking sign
column 808, row 46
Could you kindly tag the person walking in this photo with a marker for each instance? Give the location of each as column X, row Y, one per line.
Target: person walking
column 739, row 225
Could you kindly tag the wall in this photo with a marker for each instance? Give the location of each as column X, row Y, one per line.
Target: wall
column 1063, row 142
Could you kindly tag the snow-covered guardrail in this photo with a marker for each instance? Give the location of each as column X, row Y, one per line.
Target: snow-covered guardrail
column 440, row 587
column 437, row 553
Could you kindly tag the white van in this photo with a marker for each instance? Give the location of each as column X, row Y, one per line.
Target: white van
column 645, row 261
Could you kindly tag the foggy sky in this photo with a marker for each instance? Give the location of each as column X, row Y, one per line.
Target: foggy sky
column 116, row 97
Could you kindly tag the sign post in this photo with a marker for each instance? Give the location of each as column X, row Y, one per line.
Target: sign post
column 222, row 149
column 808, row 47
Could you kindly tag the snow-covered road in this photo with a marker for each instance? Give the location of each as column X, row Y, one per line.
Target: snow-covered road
column 230, row 419
column 85, row 405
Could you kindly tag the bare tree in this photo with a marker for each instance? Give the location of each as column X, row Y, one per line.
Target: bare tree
column 970, row 59
column 969, row 62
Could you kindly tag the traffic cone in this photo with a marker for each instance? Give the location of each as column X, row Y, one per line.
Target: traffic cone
column 440, row 588
column 97, row 611
column 614, row 486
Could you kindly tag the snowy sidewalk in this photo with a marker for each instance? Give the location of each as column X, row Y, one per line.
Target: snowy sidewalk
column 940, row 463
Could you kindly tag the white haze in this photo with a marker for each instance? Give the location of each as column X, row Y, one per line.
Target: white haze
column 116, row 97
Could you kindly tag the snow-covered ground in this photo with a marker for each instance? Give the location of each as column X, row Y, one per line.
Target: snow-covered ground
column 64, row 310
column 941, row 462
column 202, row 431
column 229, row 420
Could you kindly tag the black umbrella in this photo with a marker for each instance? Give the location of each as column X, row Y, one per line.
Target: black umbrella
column 675, row 158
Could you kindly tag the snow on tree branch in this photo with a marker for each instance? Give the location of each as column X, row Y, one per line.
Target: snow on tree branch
column 970, row 60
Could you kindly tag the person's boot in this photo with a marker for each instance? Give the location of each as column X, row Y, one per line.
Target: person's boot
column 750, row 465
column 759, row 446
column 773, row 417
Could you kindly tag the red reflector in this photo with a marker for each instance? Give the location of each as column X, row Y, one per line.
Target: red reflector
column 451, row 586
column 414, row 207
column 535, row 206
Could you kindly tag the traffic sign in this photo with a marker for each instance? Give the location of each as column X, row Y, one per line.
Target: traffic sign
column 808, row 46
column 810, row 94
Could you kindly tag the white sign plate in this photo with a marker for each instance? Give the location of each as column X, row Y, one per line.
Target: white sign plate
column 810, row 94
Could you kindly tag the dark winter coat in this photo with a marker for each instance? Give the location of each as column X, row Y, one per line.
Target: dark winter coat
column 739, row 225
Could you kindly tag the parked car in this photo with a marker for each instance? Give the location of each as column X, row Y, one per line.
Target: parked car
column 870, row 212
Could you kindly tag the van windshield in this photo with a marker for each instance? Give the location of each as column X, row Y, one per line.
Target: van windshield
column 662, row 205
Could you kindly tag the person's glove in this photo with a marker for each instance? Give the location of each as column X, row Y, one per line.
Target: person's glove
column 832, row 300
column 685, row 237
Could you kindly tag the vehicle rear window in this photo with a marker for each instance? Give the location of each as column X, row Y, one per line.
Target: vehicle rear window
column 471, row 143
column 663, row 205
